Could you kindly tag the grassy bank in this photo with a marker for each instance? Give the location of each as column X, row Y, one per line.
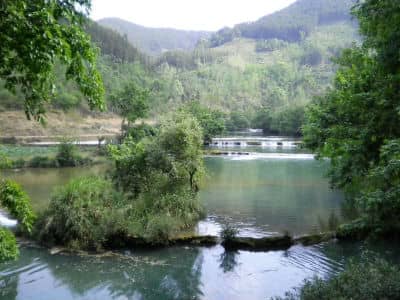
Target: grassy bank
column 50, row 157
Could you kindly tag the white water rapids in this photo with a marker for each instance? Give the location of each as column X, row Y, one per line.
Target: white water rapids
column 6, row 221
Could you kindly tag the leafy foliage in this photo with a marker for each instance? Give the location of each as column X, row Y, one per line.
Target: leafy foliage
column 291, row 24
column 113, row 44
column 380, row 197
column 17, row 202
column 237, row 121
column 131, row 102
column 372, row 278
column 53, row 29
column 8, row 245
column 5, row 161
column 173, row 155
column 356, row 123
column 228, row 233
column 67, row 155
column 211, row 121
column 160, row 174
column 159, row 180
column 82, row 214
column 233, row 77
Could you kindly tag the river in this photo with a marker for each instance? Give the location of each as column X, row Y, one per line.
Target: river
column 260, row 194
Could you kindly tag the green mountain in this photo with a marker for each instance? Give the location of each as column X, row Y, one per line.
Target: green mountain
column 119, row 62
column 155, row 40
column 113, row 44
column 267, row 71
column 258, row 76
column 291, row 24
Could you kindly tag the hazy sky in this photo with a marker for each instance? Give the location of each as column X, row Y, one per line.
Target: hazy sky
column 186, row 14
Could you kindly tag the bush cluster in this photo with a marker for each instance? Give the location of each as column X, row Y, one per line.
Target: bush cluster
column 370, row 279
column 16, row 201
column 8, row 245
column 82, row 214
column 152, row 197
column 67, row 156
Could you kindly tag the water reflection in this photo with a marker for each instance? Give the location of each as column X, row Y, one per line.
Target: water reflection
column 157, row 275
column 228, row 261
column 267, row 196
column 176, row 273
column 8, row 287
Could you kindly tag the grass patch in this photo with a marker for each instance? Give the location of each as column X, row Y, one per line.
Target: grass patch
column 64, row 155
column 15, row 152
column 82, row 214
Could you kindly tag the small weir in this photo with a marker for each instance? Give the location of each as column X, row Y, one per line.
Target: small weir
column 266, row 142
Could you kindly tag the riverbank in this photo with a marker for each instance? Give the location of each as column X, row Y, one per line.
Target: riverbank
column 13, row 124
column 46, row 156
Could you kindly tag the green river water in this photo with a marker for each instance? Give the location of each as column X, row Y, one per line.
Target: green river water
column 260, row 194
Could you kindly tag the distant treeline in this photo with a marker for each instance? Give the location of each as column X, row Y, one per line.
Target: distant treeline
column 113, row 44
column 155, row 41
column 291, row 24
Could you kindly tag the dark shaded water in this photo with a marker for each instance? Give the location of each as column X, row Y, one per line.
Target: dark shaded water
column 260, row 195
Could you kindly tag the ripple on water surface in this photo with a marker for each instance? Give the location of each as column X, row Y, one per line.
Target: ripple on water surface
column 175, row 273
column 261, row 195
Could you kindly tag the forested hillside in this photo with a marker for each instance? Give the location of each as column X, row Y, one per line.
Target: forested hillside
column 154, row 41
column 118, row 63
column 261, row 76
column 292, row 24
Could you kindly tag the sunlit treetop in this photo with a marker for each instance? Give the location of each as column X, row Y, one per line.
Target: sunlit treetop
column 37, row 34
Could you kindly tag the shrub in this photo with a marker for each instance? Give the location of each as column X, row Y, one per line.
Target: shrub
column 164, row 163
column 212, row 121
column 158, row 217
column 8, row 245
column 5, row 162
column 228, row 233
column 356, row 230
column 82, row 214
column 17, row 202
column 19, row 163
column 41, row 162
column 66, row 155
column 372, row 278
column 160, row 229
column 237, row 121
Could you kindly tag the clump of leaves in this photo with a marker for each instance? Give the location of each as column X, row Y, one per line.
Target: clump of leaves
column 17, row 202
column 82, row 214
column 228, row 232
column 5, row 162
column 8, row 245
column 371, row 278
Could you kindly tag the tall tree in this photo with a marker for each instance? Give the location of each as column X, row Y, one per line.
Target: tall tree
column 131, row 102
column 35, row 35
column 356, row 123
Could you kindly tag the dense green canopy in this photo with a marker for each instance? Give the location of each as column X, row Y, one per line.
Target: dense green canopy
column 357, row 123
